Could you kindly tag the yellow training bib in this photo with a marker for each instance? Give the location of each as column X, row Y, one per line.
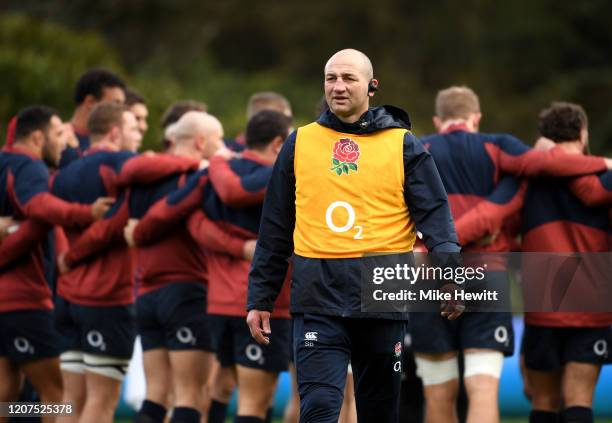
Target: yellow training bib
column 349, row 193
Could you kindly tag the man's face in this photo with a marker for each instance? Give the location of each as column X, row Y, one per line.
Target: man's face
column 131, row 138
column 346, row 88
column 55, row 142
column 141, row 112
column 115, row 94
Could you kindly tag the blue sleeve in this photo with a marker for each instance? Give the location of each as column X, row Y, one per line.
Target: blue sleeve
column 275, row 241
column 258, row 180
column 121, row 158
column 510, row 145
column 116, row 206
column 31, row 179
column 507, row 188
column 192, row 183
column 426, row 198
column 606, row 180
column 68, row 156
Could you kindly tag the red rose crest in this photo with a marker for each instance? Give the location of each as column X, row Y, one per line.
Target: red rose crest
column 345, row 156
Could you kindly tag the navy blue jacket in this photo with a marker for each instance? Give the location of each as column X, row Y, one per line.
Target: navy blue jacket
column 424, row 195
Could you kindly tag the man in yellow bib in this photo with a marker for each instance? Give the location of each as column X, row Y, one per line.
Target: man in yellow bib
column 354, row 183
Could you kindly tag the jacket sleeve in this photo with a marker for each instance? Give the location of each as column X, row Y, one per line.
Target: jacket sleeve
column 235, row 190
column 29, row 234
column 593, row 190
column 275, row 241
column 214, row 238
column 426, row 198
column 169, row 211
column 101, row 235
column 31, row 188
column 516, row 158
column 489, row 215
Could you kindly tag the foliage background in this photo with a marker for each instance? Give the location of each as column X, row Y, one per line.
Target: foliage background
column 517, row 55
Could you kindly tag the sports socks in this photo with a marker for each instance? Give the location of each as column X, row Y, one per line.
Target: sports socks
column 577, row 415
column 185, row 415
column 217, row 412
column 248, row 419
column 150, row 412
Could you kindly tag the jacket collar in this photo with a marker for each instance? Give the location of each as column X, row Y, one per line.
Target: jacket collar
column 375, row 119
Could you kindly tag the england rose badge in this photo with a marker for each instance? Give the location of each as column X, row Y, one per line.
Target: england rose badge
column 345, row 156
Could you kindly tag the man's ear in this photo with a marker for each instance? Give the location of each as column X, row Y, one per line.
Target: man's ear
column 437, row 123
column 372, row 84
column 199, row 142
column 115, row 135
column 584, row 136
column 90, row 101
column 38, row 138
column 476, row 117
column 277, row 144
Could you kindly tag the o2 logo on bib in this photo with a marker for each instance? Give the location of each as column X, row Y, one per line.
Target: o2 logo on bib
column 350, row 222
column 345, row 156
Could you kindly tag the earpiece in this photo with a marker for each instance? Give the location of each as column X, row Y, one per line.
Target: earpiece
column 372, row 87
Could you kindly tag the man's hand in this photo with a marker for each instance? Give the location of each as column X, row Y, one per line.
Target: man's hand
column 5, row 224
column 454, row 308
column 487, row 240
column 226, row 153
column 608, row 163
column 70, row 136
column 249, row 249
column 61, row 263
column 259, row 325
column 544, row 144
column 203, row 164
column 128, row 232
column 101, row 206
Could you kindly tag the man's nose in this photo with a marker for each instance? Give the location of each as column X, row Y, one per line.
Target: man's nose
column 339, row 85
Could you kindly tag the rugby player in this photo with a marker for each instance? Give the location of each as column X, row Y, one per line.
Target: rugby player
column 94, row 306
column 29, row 341
column 93, row 86
column 172, row 276
column 380, row 156
column 564, row 351
column 256, row 367
column 479, row 173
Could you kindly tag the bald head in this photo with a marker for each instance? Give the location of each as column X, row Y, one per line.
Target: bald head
column 193, row 124
column 353, row 58
column 348, row 75
column 198, row 132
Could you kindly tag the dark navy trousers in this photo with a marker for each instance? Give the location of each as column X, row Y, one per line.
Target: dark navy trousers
column 323, row 347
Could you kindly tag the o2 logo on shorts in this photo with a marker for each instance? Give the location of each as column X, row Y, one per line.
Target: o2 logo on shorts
column 23, row 345
column 349, row 223
column 600, row 348
column 397, row 366
column 254, row 353
column 96, row 340
column 185, row 336
column 501, row 335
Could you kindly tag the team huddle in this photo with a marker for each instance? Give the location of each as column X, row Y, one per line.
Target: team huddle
column 100, row 244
